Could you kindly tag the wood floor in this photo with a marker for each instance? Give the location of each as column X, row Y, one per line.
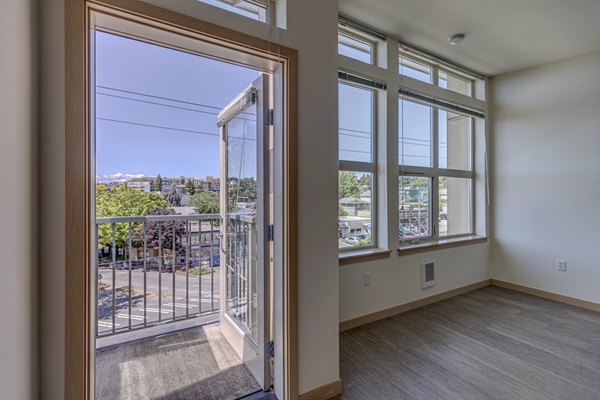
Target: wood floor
column 492, row 343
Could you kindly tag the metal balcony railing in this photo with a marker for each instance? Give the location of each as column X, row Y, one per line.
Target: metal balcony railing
column 156, row 269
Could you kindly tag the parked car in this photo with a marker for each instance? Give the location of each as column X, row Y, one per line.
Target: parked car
column 352, row 240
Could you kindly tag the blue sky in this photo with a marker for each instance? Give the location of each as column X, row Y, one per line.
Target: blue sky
column 156, row 112
column 125, row 67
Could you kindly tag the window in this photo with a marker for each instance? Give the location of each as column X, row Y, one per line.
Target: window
column 355, row 47
column 429, row 69
column 454, row 82
column 454, row 140
column 454, row 199
column 441, row 166
column 416, row 127
column 435, row 172
column 254, row 9
column 356, row 127
column 414, row 69
column 414, row 197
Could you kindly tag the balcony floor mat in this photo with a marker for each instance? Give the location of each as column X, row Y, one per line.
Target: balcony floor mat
column 192, row 364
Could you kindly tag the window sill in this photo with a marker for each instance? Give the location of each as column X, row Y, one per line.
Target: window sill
column 411, row 248
column 356, row 256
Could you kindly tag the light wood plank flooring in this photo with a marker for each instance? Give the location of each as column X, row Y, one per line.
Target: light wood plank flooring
column 492, row 343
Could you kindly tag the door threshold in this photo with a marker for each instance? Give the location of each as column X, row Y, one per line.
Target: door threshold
column 260, row 395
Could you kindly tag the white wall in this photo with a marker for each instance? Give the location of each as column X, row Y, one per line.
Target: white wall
column 18, row 205
column 314, row 34
column 397, row 280
column 546, row 175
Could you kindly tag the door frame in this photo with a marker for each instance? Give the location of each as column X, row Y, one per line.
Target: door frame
column 79, row 333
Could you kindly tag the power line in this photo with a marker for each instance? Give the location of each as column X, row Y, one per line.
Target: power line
column 356, row 136
column 159, row 97
column 355, row 130
column 158, row 104
column 167, row 128
column 356, row 151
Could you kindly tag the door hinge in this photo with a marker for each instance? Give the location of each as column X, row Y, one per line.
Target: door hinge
column 269, row 233
column 269, row 117
column 269, row 349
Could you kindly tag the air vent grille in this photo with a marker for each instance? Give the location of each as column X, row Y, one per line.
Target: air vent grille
column 428, row 274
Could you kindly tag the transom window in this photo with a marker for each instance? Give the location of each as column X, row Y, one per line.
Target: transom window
column 352, row 46
column 430, row 71
column 357, row 41
column 254, row 9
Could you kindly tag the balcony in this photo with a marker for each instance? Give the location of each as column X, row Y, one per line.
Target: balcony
column 158, row 294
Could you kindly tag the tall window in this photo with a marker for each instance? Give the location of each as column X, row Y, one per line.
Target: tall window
column 357, row 165
column 440, row 137
column 435, row 171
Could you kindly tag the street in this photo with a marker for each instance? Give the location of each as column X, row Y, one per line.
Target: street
column 193, row 294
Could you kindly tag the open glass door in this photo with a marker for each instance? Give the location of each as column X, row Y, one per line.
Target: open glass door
column 246, row 211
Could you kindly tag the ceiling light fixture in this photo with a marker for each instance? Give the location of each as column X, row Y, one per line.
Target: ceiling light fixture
column 456, row 39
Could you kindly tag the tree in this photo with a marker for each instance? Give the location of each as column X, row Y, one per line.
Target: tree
column 190, row 188
column 157, row 184
column 206, row 202
column 364, row 183
column 342, row 211
column 173, row 198
column 123, row 201
column 240, row 188
column 245, row 187
column 164, row 231
column 348, row 185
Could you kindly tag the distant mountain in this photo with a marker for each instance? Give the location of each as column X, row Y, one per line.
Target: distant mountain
column 118, row 177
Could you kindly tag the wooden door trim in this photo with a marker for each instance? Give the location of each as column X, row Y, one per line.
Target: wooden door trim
column 78, row 327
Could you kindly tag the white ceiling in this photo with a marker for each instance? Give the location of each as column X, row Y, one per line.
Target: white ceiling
column 502, row 35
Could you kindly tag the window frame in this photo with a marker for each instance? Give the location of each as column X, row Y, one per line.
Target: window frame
column 267, row 5
column 362, row 37
column 364, row 167
column 435, row 172
column 459, row 76
column 386, row 71
column 436, row 68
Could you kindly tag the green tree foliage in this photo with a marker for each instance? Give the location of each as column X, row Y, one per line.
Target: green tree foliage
column 342, row 211
column 190, row 188
column 414, row 189
column 205, row 202
column 123, row 201
column 173, row 198
column 157, row 184
column 365, row 242
column 364, row 183
column 348, row 185
column 165, row 231
column 241, row 188
column 245, row 187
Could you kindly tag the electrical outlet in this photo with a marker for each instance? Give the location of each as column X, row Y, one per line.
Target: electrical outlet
column 367, row 279
column 561, row 265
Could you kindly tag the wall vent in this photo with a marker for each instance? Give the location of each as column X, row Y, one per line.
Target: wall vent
column 427, row 274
